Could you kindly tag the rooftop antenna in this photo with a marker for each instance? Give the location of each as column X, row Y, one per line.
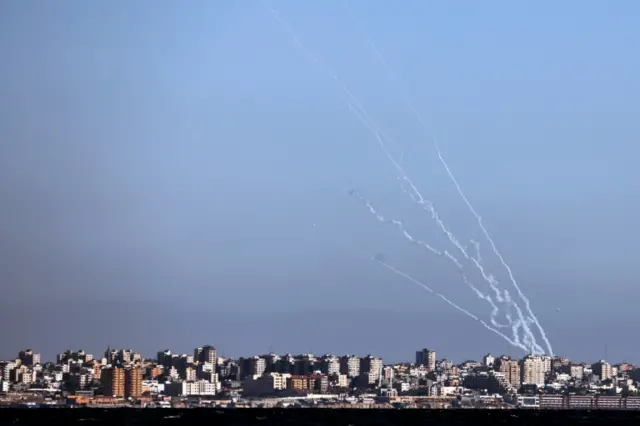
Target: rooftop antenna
column 605, row 351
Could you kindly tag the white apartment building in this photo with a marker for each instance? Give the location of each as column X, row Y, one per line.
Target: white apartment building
column 200, row 387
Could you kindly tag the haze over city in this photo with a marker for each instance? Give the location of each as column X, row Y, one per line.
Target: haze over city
column 162, row 168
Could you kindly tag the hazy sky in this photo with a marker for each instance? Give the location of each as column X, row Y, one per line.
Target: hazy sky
column 162, row 164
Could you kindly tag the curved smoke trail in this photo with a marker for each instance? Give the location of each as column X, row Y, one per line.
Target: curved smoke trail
column 478, row 218
column 357, row 108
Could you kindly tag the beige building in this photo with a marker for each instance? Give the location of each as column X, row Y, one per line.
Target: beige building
column 113, row 382
column 576, row 371
column 371, row 368
column 511, row 370
column 603, row 370
column 532, row 370
column 330, row 365
column 133, row 382
column 350, row 365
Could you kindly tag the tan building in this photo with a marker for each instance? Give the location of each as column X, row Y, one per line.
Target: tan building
column 350, row 365
column 133, row 382
column 301, row 383
column 511, row 370
column 532, row 370
column 113, row 382
column 97, row 370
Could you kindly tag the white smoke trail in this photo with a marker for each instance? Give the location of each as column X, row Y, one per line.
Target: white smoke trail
column 454, row 305
column 477, row 246
column 358, row 109
column 495, row 310
column 478, row 218
column 527, row 303
column 493, row 283
column 514, row 342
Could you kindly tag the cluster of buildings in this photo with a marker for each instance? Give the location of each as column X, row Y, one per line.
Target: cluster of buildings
column 122, row 377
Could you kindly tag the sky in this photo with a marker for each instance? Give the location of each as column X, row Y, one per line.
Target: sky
column 162, row 166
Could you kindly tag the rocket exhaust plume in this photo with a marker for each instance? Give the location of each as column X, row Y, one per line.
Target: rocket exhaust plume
column 408, row 187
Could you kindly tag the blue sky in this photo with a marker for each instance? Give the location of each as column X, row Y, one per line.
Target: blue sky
column 174, row 157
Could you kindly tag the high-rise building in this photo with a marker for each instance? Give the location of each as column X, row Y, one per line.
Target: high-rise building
column 330, row 365
column 511, row 370
column 205, row 354
column 113, row 382
column 133, row 382
column 254, row 366
column 164, row 358
column 371, row 367
column 427, row 358
column 350, row 365
column 532, row 370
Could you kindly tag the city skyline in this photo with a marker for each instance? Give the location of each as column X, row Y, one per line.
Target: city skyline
column 124, row 377
column 424, row 356
column 190, row 179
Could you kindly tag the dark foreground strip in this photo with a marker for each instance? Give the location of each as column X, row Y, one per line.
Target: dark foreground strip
column 312, row 417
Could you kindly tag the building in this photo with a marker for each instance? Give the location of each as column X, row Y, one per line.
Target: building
column 510, row 368
column 576, row 371
column 133, row 382
column 113, row 382
column 553, row 402
column 427, row 358
column 602, row 369
column 164, row 358
column 339, row 380
column 371, row 369
column 350, row 365
column 199, row 387
column 205, row 354
column 319, row 383
column 532, row 370
column 29, row 358
column 488, row 360
column 254, row 366
column 188, row 388
column 330, row 365
column 265, row 385
column 300, row 383
column 560, row 364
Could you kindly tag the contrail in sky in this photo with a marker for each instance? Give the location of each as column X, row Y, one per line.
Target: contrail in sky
column 410, row 188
